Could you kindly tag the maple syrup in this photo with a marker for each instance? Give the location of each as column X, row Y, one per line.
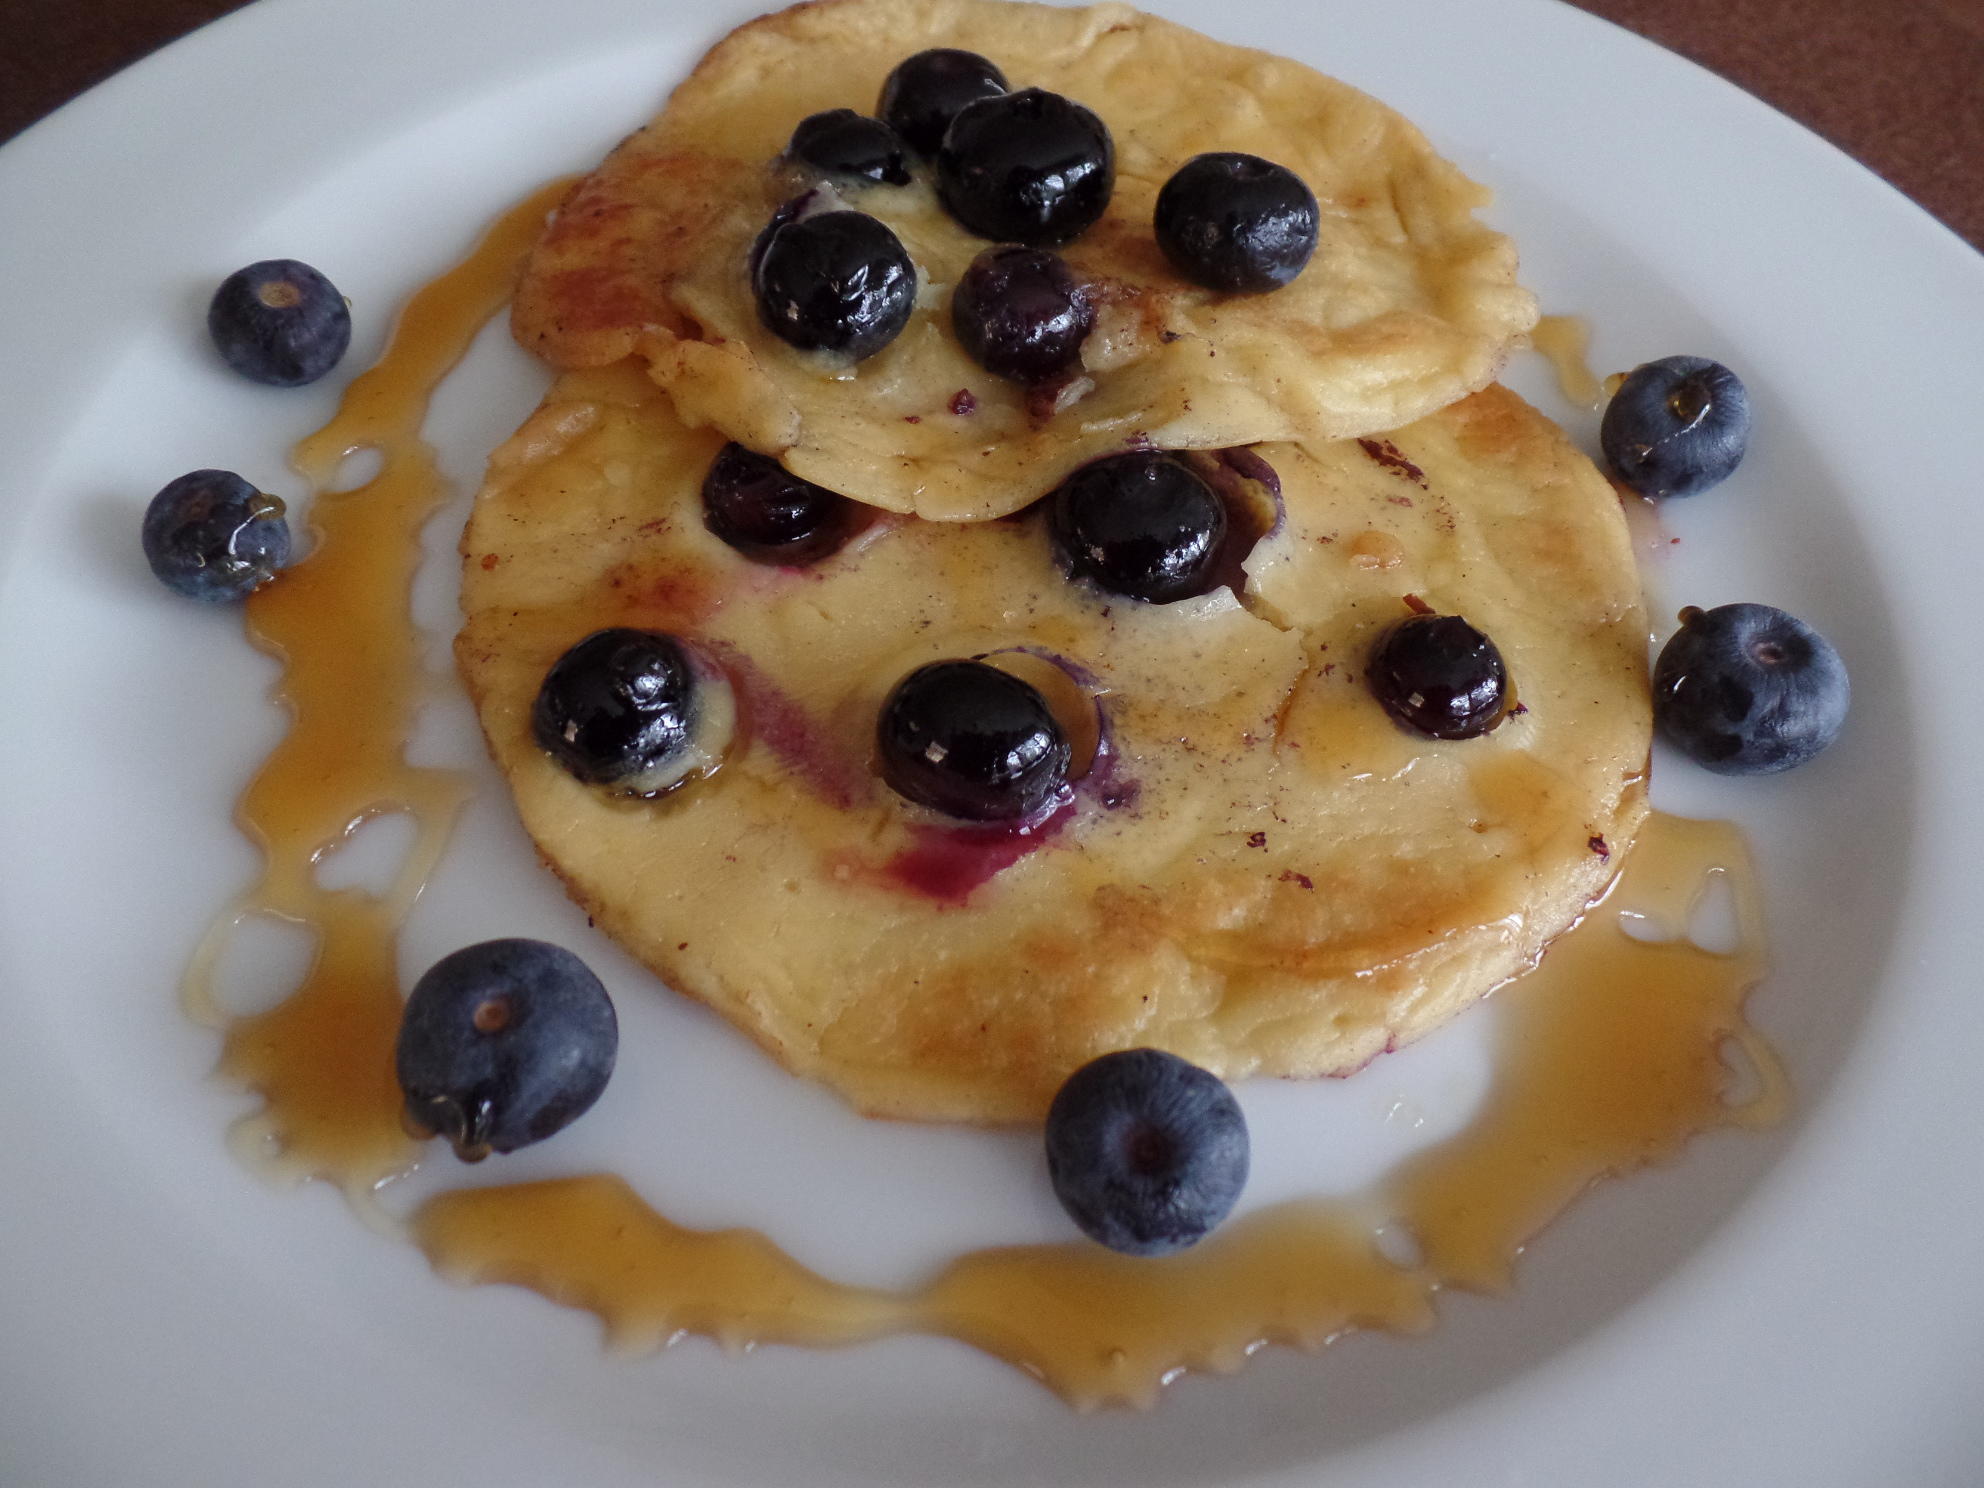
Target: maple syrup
column 352, row 681
column 1610, row 1060
column 1565, row 341
column 1611, row 1054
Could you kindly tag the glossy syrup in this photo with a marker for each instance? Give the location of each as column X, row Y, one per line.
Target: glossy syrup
column 1565, row 341
column 353, row 680
column 1612, row 1049
column 1611, row 1058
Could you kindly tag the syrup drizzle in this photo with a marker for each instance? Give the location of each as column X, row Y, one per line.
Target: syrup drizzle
column 1612, row 1052
column 1564, row 341
column 322, row 1060
column 1611, row 1059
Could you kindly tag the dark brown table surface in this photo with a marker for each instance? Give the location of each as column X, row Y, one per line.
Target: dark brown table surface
column 1898, row 84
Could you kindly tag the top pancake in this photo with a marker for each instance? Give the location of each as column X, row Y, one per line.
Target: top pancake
column 1263, row 874
column 1408, row 303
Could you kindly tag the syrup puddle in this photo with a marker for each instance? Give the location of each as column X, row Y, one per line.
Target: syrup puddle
column 1612, row 1050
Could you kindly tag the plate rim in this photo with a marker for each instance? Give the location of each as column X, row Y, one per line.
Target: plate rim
column 94, row 123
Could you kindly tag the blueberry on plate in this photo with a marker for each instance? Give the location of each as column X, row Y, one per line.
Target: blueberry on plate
column 1236, row 222
column 770, row 515
column 1676, row 427
column 279, row 322
column 635, row 711
column 1147, row 1152
column 1745, row 689
column 1438, row 676
column 834, row 281
column 210, row 535
column 925, row 92
column 503, row 1044
column 853, row 146
column 1020, row 314
column 1142, row 524
column 1029, row 167
column 971, row 741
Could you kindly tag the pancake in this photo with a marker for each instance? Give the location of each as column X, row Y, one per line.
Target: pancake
column 1408, row 303
column 1260, row 872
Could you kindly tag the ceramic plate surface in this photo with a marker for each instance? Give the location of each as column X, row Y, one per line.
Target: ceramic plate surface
column 1797, row 1307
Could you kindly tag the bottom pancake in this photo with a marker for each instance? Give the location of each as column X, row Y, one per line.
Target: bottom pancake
column 1258, row 870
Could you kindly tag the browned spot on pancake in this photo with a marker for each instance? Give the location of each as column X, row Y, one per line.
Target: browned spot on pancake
column 676, row 598
column 1493, row 426
column 1130, row 253
column 599, row 276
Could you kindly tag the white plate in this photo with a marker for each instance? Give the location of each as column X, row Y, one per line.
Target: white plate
column 1798, row 1308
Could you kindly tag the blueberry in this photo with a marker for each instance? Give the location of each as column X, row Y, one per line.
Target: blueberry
column 1438, row 676
column 279, row 322
column 212, row 536
column 1147, row 1153
column 835, row 281
column 633, row 710
column 1745, row 689
column 503, row 1044
column 925, row 92
column 1676, row 426
column 1020, row 314
column 1236, row 222
column 1142, row 525
column 844, row 143
column 770, row 515
column 1029, row 167
column 971, row 741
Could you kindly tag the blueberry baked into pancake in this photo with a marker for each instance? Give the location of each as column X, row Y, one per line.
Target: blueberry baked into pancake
column 1272, row 758
column 798, row 272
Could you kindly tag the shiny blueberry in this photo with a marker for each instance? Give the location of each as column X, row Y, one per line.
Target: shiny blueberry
column 503, row 1044
column 633, row 711
column 1439, row 676
column 1020, row 313
column 925, row 92
column 1147, row 1153
column 210, row 535
column 279, row 322
column 1142, row 525
column 1029, row 167
column 844, row 143
column 1236, row 222
column 1676, row 426
column 769, row 514
column 836, row 281
column 1745, row 689
column 971, row 741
